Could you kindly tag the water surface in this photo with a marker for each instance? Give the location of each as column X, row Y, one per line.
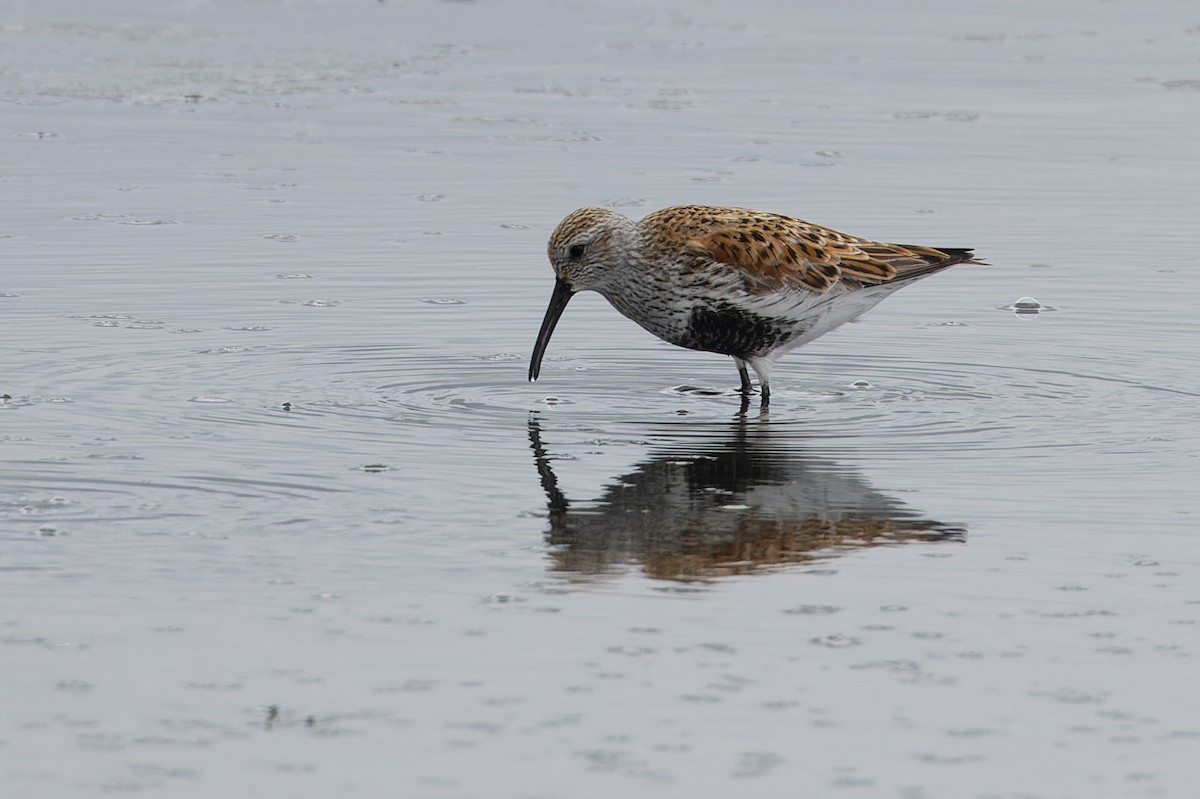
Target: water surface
column 280, row 514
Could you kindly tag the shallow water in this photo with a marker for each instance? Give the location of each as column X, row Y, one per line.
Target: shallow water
column 280, row 514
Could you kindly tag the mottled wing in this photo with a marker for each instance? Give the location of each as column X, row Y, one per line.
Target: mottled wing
column 773, row 252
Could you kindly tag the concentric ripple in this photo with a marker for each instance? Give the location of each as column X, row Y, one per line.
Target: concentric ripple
column 400, row 393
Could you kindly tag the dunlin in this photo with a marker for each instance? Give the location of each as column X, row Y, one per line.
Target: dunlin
column 749, row 284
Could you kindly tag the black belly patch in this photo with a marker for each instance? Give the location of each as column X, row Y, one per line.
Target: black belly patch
column 729, row 330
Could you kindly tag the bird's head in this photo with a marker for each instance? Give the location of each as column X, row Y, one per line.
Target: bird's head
column 587, row 246
column 586, row 250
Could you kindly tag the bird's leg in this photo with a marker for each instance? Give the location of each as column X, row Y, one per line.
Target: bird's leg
column 745, row 375
column 762, row 368
column 745, row 406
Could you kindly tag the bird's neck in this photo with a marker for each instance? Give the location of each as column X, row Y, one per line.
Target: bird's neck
column 643, row 291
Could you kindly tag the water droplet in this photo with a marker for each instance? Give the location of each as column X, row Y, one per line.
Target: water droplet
column 1027, row 304
column 861, row 384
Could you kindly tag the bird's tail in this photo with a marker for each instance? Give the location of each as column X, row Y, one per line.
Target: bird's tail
column 935, row 260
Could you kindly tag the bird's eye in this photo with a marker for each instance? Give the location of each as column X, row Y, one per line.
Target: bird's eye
column 576, row 252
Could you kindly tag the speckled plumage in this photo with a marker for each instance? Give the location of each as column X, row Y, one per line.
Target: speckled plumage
column 749, row 284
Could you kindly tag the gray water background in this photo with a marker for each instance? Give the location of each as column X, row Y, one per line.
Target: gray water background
column 281, row 516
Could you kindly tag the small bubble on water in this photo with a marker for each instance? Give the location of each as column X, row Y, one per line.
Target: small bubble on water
column 321, row 303
column 836, row 641
column 1027, row 304
column 812, row 610
column 211, row 400
column 861, row 384
column 375, row 468
column 550, row 400
column 442, row 301
column 281, row 236
column 293, row 276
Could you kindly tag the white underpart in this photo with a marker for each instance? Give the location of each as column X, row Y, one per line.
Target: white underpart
column 815, row 314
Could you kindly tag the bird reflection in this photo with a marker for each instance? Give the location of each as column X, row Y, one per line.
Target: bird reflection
column 734, row 504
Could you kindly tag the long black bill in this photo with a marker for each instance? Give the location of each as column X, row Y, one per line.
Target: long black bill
column 558, row 301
